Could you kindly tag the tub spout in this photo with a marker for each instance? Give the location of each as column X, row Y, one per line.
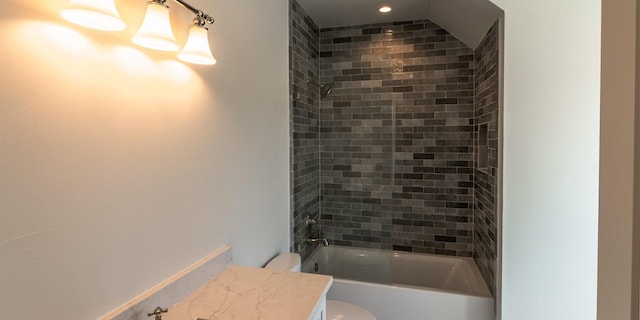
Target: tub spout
column 323, row 240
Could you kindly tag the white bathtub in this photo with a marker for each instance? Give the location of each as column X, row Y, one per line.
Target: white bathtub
column 404, row 286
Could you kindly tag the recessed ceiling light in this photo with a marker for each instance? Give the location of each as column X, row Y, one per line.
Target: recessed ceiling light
column 385, row 9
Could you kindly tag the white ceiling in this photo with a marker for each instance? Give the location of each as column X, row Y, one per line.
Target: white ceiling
column 467, row 20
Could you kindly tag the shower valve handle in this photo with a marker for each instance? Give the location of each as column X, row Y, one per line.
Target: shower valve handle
column 310, row 221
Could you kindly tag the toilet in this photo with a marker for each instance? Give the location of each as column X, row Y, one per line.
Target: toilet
column 336, row 310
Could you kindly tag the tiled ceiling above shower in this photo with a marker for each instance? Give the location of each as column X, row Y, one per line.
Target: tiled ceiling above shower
column 467, row 20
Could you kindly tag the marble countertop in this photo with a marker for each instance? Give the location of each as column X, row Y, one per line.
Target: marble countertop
column 246, row 293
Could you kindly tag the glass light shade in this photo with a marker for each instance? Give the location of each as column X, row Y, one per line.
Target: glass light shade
column 197, row 49
column 155, row 32
column 95, row 14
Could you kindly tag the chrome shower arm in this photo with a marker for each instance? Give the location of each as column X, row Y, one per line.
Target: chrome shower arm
column 309, row 82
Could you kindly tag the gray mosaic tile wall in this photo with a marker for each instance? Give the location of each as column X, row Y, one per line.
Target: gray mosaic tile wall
column 391, row 157
column 305, row 144
column 397, row 138
column 486, row 113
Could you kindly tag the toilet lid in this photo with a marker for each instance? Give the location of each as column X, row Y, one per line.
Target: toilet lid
column 338, row 310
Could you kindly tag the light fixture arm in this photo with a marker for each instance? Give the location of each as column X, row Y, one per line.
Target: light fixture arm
column 201, row 17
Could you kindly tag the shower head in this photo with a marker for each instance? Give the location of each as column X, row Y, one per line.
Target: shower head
column 325, row 89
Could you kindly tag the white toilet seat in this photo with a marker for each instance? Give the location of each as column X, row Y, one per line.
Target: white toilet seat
column 338, row 310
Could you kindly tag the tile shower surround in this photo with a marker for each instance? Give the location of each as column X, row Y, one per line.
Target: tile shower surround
column 397, row 137
column 382, row 80
column 304, row 120
column 486, row 113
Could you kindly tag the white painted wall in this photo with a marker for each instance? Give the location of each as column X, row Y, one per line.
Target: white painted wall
column 467, row 20
column 119, row 168
column 636, row 213
column 616, row 290
column 551, row 147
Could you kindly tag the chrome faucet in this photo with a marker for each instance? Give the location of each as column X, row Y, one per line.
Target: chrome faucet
column 323, row 240
column 157, row 312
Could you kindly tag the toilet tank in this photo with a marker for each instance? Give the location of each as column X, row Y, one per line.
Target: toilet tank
column 285, row 261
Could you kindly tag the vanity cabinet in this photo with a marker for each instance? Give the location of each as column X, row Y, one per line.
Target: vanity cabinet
column 320, row 313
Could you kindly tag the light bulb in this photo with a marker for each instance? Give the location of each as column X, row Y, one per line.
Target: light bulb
column 95, row 14
column 155, row 32
column 197, row 49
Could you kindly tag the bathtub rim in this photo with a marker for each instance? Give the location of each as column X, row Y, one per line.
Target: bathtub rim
column 438, row 304
column 412, row 288
column 486, row 293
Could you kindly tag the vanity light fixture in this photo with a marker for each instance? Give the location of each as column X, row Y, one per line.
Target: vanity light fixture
column 385, row 9
column 197, row 49
column 94, row 14
column 155, row 31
